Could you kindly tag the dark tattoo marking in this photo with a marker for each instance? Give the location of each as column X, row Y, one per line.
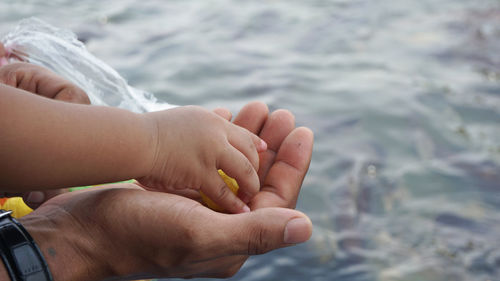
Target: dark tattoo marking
column 52, row 252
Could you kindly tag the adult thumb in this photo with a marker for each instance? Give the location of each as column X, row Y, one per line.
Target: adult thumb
column 267, row 229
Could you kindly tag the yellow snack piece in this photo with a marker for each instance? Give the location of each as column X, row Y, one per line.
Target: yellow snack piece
column 16, row 205
column 230, row 182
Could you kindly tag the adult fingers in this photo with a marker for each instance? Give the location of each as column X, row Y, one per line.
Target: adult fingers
column 261, row 231
column 35, row 199
column 277, row 127
column 252, row 117
column 280, row 123
column 284, row 179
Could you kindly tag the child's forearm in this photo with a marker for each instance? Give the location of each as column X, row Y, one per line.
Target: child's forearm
column 48, row 144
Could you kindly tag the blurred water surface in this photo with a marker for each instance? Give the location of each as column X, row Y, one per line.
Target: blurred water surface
column 403, row 97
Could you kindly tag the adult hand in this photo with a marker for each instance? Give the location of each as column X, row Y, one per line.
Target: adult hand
column 283, row 166
column 128, row 233
column 158, row 234
column 40, row 81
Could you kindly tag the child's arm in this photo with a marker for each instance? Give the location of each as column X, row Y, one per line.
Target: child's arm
column 48, row 144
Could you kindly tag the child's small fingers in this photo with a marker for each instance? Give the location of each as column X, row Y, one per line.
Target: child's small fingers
column 224, row 113
column 248, row 144
column 237, row 166
column 259, row 143
column 219, row 192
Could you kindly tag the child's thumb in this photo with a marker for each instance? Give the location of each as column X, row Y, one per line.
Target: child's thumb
column 267, row 229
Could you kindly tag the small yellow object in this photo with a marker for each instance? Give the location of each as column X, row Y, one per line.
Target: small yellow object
column 230, row 182
column 16, row 205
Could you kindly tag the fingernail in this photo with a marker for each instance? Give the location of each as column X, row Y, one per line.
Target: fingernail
column 246, row 209
column 262, row 145
column 36, row 197
column 3, row 61
column 297, row 231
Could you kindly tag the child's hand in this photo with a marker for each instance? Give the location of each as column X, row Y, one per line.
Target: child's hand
column 6, row 54
column 193, row 144
column 41, row 81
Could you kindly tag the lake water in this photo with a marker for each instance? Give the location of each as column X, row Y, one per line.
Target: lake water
column 403, row 97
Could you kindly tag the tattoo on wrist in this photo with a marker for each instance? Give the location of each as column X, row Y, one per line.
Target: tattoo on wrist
column 51, row 251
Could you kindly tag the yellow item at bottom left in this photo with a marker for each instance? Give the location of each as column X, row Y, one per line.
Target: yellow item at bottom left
column 16, row 205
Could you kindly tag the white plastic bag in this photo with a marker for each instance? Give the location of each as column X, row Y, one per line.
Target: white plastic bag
column 58, row 49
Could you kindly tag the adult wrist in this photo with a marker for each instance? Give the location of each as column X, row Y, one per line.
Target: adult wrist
column 3, row 273
column 67, row 249
column 20, row 254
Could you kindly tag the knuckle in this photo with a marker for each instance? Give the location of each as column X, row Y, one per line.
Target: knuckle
column 222, row 192
column 11, row 77
column 73, row 94
column 224, row 198
column 253, row 148
column 258, row 244
column 248, row 169
column 251, row 145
